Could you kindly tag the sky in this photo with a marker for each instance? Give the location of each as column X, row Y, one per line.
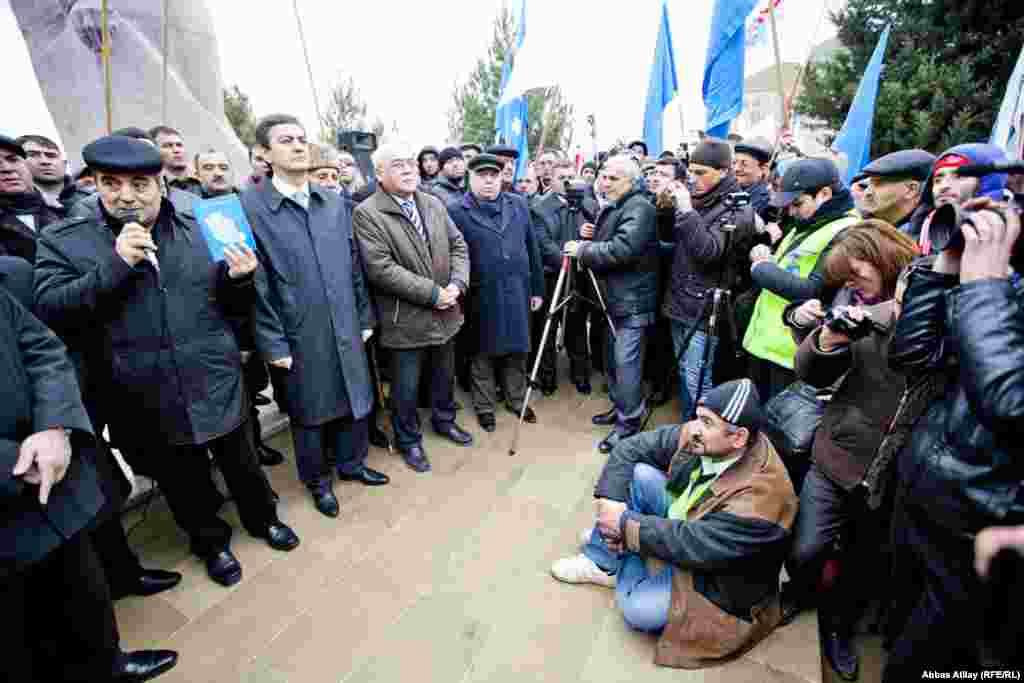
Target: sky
column 406, row 55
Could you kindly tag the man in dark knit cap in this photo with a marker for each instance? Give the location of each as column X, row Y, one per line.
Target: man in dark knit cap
column 449, row 185
column 711, row 503
column 700, row 262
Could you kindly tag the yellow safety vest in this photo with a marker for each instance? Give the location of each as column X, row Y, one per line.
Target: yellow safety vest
column 767, row 336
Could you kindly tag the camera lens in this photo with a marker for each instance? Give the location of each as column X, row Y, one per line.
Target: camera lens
column 945, row 228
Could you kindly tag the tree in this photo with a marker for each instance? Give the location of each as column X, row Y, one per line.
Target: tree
column 946, row 69
column 345, row 110
column 238, row 111
column 471, row 116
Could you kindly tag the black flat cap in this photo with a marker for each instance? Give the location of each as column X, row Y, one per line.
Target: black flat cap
column 503, row 151
column 471, row 145
column 758, row 148
column 11, row 146
column 486, row 160
column 805, row 176
column 915, row 164
column 122, row 154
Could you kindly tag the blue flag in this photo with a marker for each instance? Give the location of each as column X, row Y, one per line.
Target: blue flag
column 662, row 87
column 724, row 67
column 1008, row 132
column 854, row 140
column 511, row 118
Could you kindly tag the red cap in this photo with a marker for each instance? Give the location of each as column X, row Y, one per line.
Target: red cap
column 950, row 161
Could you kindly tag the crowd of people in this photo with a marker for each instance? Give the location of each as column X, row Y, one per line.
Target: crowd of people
column 849, row 383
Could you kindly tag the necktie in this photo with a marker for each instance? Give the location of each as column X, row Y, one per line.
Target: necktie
column 409, row 207
column 302, row 199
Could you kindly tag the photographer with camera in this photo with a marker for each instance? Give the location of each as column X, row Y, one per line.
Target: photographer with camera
column 821, row 208
column 700, row 263
column 962, row 468
column 847, row 345
column 557, row 219
column 946, row 187
column 622, row 250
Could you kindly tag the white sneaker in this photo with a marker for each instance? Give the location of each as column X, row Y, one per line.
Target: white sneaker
column 581, row 569
column 586, row 535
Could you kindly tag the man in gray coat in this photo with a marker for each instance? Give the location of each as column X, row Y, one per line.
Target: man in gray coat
column 313, row 313
column 418, row 265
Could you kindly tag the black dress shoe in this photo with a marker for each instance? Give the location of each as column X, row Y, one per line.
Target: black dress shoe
column 530, row 417
column 325, row 500
column 456, row 434
column 416, row 458
column 144, row 665
column 269, row 456
column 841, row 656
column 487, row 421
column 259, row 400
column 366, row 476
column 280, row 536
column 147, row 582
column 584, row 387
column 224, row 568
column 378, row 437
column 606, row 418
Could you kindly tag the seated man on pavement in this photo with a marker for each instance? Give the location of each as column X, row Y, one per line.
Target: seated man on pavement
column 710, row 505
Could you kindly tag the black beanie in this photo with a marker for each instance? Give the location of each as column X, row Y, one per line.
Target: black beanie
column 736, row 402
column 447, row 154
column 714, row 153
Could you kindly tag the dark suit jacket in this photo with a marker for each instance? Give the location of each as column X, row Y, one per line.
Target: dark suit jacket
column 41, row 393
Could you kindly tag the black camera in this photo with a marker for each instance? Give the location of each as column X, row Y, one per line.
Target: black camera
column 575, row 193
column 737, row 200
column 946, row 229
column 840, row 322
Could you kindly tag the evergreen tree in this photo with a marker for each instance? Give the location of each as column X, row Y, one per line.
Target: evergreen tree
column 946, row 68
column 238, row 111
column 474, row 103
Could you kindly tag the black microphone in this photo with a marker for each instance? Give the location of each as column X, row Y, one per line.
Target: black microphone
column 979, row 170
column 135, row 216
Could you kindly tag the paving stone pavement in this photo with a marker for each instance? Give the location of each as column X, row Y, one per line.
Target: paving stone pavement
column 437, row 577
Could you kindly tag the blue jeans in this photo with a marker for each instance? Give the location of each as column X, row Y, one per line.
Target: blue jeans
column 689, row 365
column 643, row 598
column 625, row 358
column 407, row 365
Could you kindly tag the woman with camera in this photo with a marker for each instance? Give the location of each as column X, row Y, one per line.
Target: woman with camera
column 846, row 349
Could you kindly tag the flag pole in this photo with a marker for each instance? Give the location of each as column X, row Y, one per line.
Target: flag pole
column 105, row 56
column 309, row 70
column 165, row 45
column 783, row 123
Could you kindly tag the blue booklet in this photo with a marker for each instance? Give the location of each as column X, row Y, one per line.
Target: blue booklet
column 223, row 223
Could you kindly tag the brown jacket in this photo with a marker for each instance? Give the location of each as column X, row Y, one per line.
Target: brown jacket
column 406, row 276
column 725, row 557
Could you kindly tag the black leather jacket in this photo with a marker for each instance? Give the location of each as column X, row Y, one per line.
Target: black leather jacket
column 964, row 463
column 624, row 256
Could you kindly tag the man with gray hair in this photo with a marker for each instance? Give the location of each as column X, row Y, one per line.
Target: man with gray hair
column 417, row 264
column 622, row 250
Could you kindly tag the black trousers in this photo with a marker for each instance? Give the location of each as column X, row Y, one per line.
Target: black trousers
column 485, row 385
column 183, row 474
column 60, row 624
column 935, row 620
column 828, row 513
column 342, row 443
column 410, row 369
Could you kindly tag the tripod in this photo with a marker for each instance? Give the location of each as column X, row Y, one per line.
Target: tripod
column 566, row 279
column 717, row 307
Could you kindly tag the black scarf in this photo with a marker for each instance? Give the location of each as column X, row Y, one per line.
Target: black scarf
column 727, row 185
column 21, row 203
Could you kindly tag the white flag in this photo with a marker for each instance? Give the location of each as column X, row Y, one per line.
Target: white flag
column 1008, row 132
